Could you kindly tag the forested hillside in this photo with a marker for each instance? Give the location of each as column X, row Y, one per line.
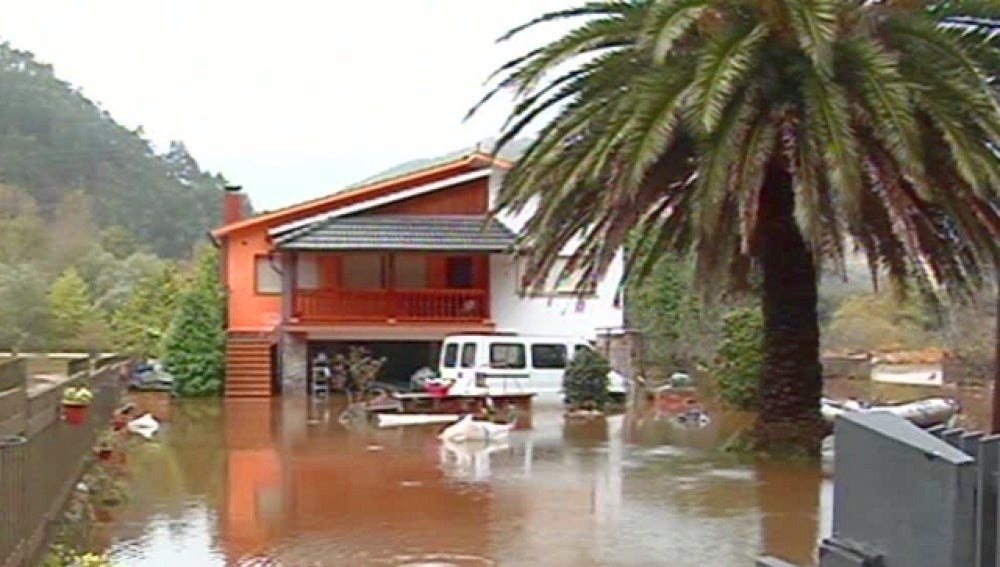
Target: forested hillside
column 53, row 140
column 95, row 226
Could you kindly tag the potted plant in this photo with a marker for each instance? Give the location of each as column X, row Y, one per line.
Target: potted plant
column 355, row 372
column 75, row 402
column 438, row 387
column 586, row 384
column 105, row 446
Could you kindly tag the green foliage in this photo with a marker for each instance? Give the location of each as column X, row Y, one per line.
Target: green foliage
column 80, row 395
column 70, row 308
column 53, row 139
column 878, row 321
column 679, row 329
column 22, row 230
column 118, row 242
column 586, row 380
column 140, row 323
column 741, row 357
column 24, row 311
column 194, row 346
column 61, row 556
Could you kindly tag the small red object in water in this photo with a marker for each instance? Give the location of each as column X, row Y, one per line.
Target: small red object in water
column 437, row 390
column 75, row 414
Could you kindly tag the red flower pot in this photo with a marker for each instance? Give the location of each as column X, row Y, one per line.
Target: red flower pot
column 437, row 390
column 75, row 414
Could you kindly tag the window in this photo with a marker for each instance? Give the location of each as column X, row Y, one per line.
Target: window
column 268, row 278
column 460, row 272
column 307, row 273
column 468, row 355
column 548, row 356
column 411, row 271
column 361, row 271
column 450, row 356
column 507, row 355
column 556, row 282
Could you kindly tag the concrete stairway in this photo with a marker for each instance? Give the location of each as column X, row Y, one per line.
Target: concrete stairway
column 248, row 366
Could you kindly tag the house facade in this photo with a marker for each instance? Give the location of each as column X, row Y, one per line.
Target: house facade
column 394, row 265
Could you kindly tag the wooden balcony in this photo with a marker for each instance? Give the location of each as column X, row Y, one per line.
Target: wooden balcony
column 409, row 305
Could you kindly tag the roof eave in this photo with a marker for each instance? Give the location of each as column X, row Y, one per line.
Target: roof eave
column 287, row 214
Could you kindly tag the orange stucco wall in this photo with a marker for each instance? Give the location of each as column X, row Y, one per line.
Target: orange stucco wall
column 248, row 311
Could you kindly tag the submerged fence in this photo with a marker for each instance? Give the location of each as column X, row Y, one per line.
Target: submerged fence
column 40, row 466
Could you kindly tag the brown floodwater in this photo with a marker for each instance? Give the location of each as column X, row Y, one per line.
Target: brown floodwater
column 283, row 483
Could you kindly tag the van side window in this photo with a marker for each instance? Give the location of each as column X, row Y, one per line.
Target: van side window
column 548, row 356
column 450, row 355
column 507, row 355
column 468, row 355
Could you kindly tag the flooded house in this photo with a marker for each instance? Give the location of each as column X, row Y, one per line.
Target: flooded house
column 394, row 264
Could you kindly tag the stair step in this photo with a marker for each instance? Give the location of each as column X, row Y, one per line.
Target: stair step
column 258, row 393
column 248, row 362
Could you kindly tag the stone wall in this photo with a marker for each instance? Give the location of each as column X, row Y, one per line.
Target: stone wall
column 294, row 364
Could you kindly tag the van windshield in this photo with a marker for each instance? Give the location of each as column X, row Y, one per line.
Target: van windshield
column 450, row 356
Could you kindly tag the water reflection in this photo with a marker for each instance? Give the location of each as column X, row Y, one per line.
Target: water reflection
column 283, row 483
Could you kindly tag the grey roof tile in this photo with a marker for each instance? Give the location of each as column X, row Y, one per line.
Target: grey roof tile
column 403, row 232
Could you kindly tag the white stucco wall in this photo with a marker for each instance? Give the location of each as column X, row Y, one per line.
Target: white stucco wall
column 549, row 315
column 552, row 315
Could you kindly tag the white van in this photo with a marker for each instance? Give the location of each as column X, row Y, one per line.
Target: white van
column 515, row 363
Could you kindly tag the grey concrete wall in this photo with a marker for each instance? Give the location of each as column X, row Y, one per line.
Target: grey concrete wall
column 293, row 352
column 903, row 492
column 623, row 350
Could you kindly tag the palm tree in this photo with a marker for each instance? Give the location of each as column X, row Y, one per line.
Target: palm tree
column 765, row 137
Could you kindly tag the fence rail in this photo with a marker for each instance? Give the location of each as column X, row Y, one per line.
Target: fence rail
column 39, row 470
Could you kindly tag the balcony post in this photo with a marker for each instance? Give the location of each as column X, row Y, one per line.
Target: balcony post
column 289, row 285
column 390, row 285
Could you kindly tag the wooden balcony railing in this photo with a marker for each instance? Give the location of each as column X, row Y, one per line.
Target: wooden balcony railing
column 413, row 305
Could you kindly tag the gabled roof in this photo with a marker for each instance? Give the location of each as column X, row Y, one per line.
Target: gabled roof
column 308, row 223
column 439, row 233
column 371, row 189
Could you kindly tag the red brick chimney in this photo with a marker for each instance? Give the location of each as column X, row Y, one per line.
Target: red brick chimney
column 232, row 204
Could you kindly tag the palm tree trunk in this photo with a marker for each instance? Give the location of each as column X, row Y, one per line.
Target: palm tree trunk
column 791, row 383
column 995, row 425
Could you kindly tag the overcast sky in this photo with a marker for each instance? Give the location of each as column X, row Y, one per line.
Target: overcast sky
column 290, row 99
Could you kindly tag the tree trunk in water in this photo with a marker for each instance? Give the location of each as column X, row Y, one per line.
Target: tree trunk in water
column 792, row 382
column 995, row 425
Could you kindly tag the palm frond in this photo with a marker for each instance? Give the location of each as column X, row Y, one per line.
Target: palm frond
column 885, row 95
column 606, row 8
column 815, row 24
column 829, row 114
column 669, row 21
column 722, row 69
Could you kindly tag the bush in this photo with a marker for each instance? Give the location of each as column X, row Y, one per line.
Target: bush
column 586, row 380
column 356, row 370
column 195, row 343
column 740, row 358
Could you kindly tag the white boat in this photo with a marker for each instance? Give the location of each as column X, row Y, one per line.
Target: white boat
column 925, row 412
column 400, row 419
column 147, row 426
column 467, row 429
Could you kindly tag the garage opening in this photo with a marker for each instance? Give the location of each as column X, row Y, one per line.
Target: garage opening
column 403, row 358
